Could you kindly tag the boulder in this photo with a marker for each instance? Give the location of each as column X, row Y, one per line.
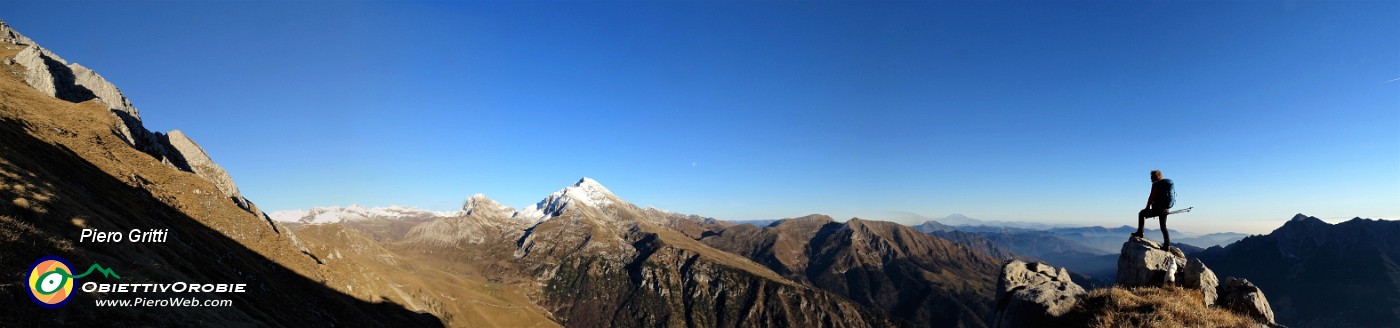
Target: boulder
column 1241, row 296
column 1142, row 262
column 1033, row 294
column 1198, row 276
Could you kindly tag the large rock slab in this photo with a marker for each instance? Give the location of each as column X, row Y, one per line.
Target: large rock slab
column 1033, row 294
column 1241, row 296
column 1198, row 276
column 1142, row 262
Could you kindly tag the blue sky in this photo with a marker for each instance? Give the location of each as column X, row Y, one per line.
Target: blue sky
column 1037, row 111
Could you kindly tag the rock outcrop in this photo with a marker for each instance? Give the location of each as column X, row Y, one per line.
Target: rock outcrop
column 47, row 72
column 1143, row 263
column 1243, row 297
column 1198, row 276
column 188, row 156
column 1033, row 294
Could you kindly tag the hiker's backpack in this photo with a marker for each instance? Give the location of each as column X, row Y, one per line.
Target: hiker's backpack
column 1171, row 193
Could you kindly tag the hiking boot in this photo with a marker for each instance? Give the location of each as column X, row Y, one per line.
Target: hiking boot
column 1137, row 234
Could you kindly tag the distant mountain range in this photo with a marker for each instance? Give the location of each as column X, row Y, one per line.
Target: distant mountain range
column 1319, row 274
column 328, row 215
column 1106, row 240
column 1089, row 252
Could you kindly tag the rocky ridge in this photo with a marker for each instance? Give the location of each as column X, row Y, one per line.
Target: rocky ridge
column 52, row 75
column 1037, row 293
column 590, row 258
column 66, row 166
column 1321, row 274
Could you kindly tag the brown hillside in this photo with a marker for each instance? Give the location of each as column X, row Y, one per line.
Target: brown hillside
column 63, row 167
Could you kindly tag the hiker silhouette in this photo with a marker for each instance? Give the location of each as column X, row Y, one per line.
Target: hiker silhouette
column 1158, row 202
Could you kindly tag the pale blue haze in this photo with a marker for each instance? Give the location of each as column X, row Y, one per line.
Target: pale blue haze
column 1041, row 111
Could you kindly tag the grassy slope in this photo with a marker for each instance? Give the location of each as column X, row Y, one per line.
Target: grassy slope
column 63, row 169
column 1150, row 307
column 458, row 293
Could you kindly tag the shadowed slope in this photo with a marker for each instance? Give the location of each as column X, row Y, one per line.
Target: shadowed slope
column 64, row 168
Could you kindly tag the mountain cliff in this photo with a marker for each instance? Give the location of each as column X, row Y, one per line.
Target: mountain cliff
column 73, row 157
column 1320, row 274
column 51, row 75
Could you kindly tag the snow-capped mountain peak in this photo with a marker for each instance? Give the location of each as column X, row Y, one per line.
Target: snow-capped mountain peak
column 479, row 204
column 585, row 192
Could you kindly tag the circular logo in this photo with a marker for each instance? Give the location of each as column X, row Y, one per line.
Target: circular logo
column 50, row 281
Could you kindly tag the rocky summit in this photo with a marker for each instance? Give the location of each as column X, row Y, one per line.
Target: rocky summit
column 1153, row 285
column 1143, row 263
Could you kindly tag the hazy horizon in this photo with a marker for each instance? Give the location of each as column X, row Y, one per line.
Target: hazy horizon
column 1040, row 112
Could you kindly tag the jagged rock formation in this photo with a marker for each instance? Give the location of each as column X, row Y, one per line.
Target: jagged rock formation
column 65, row 166
column 1034, row 294
column 52, row 75
column 194, row 159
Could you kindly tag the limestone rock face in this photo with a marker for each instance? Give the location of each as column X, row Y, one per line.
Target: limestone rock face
column 103, row 90
column 1033, row 294
column 9, row 35
column 1241, row 296
column 1142, row 262
column 188, row 156
column 1198, row 276
column 56, row 77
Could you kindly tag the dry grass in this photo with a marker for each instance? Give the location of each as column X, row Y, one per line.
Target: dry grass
column 1154, row 307
column 458, row 294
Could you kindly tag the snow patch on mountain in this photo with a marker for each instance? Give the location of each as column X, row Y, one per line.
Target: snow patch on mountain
column 479, row 205
column 327, row 215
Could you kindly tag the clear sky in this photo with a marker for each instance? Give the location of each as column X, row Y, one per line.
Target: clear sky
column 1038, row 111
